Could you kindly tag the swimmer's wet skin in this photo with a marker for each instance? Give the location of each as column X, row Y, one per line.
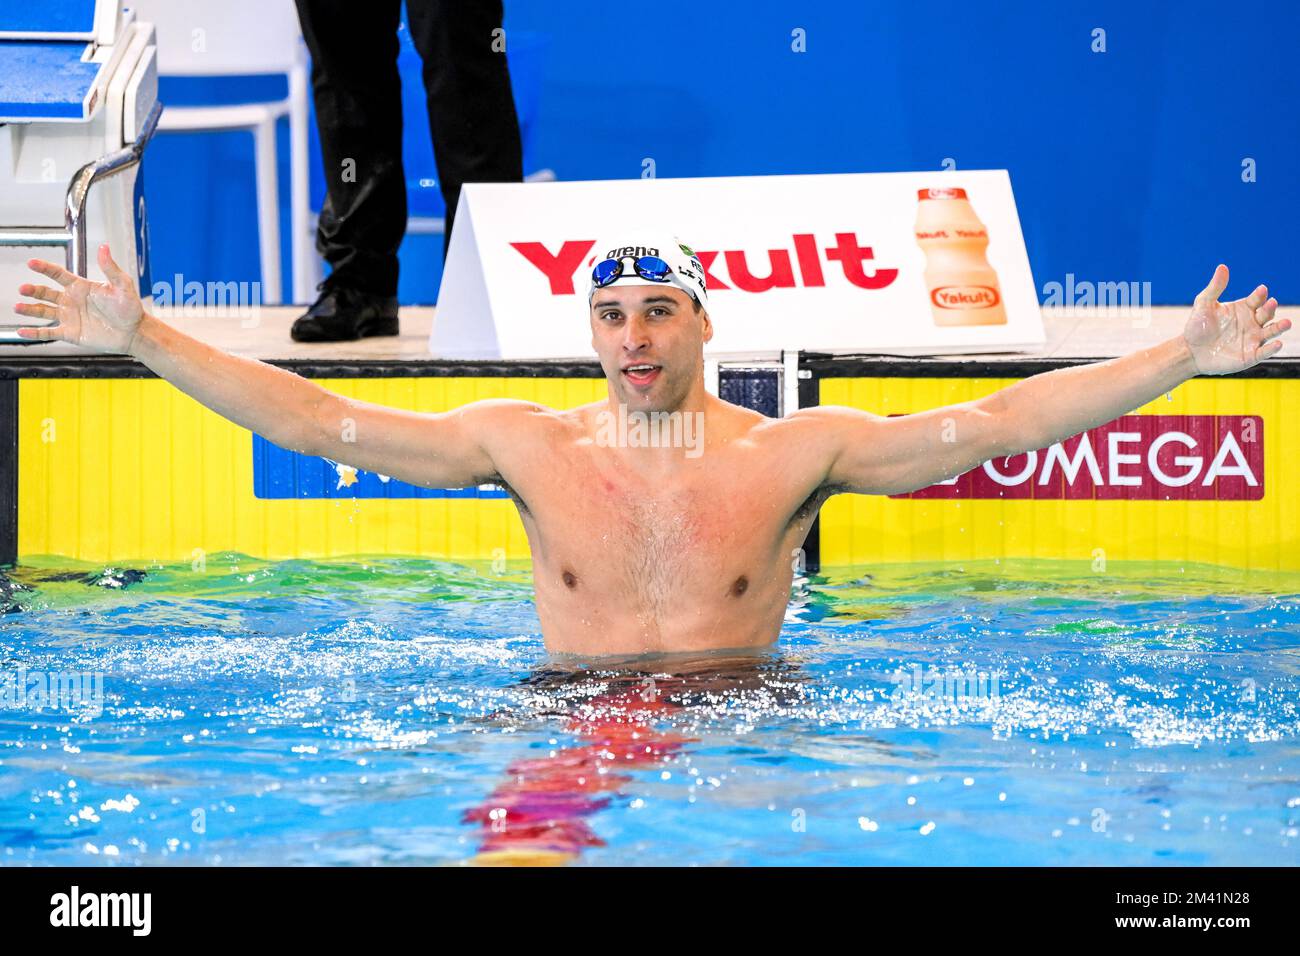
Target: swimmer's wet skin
column 652, row 548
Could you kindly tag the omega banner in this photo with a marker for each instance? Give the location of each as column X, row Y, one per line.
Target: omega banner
column 1134, row 457
column 902, row 263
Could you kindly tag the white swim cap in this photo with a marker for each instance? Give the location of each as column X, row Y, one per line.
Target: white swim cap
column 684, row 268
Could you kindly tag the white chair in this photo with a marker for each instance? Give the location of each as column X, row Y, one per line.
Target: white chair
column 242, row 38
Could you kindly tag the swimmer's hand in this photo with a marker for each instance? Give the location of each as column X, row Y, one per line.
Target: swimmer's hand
column 102, row 316
column 1226, row 337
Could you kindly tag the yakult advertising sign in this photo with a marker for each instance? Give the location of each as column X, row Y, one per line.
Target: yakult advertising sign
column 904, row 263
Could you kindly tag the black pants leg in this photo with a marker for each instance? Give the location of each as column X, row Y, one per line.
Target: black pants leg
column 471, row 106
column 358, row 96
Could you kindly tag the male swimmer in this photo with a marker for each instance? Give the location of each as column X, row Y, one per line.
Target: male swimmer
column 650, row 547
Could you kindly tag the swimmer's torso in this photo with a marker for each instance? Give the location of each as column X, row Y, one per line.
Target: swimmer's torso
column 691, row 553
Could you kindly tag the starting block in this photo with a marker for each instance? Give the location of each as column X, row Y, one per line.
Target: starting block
column 78, row 105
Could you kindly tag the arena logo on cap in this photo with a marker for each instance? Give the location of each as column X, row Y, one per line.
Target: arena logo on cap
column 1134, row 457
column 805, row 264
column 622, row 251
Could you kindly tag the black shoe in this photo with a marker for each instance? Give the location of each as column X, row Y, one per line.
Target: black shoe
column 341, row 314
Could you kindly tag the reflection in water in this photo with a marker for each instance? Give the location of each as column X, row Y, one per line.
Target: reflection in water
column 539, row 814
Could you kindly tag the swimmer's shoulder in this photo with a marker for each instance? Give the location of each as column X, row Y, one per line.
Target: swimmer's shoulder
column 509, row 413
column 830, row 424
column 507, row 426
column 803, row 424
column 816, row 435
column 516, row 434
column 834, row 416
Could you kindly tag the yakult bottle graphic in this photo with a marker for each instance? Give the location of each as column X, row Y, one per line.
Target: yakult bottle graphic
column 963, row 287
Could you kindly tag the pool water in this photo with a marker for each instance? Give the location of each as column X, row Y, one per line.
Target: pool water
column 406, row 712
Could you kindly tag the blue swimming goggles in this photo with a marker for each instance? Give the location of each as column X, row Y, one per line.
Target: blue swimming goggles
column 652, row 268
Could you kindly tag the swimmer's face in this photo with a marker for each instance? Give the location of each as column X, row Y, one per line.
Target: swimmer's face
column 655, row 326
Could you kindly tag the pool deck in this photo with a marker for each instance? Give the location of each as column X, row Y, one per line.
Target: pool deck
column 1073, row 335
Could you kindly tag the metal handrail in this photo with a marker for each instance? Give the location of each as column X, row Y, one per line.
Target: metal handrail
column 36, row 236
column 74, row 212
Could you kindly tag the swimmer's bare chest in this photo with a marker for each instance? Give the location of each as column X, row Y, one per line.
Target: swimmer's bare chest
column 629, row 563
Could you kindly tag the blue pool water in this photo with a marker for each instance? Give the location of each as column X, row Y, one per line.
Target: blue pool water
column 405, row 712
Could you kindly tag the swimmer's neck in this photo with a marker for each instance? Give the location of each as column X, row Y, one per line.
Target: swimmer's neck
column 658, row 440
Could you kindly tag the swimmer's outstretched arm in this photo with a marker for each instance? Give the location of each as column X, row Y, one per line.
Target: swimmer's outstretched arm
column 447, row 450
column 870, row 454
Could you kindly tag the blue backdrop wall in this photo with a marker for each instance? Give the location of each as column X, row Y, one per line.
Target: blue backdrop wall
column 1128, row 164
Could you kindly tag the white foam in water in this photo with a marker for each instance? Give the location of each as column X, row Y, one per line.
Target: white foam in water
column 360, row 712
